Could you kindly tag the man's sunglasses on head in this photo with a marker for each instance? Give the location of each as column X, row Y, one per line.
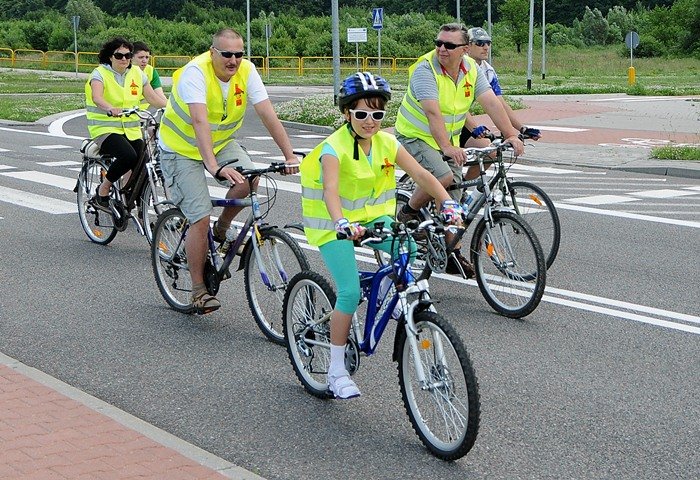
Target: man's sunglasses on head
column 448, row 45
column 228, row 54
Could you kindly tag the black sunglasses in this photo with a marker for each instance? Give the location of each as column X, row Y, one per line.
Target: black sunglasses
column 448, row 45
column 119, row 55
column 481, row 43
column 227, row 54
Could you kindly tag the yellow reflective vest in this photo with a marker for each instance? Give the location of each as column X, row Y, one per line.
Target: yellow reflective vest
column 225, row 115
column 148, row 70
column 454, row 101
column 127, row 96
column 367, row 190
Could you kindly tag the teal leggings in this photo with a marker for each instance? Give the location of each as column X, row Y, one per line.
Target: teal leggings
column 339, row 257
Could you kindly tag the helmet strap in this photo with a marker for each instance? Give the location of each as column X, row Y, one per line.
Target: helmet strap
column 356, row 146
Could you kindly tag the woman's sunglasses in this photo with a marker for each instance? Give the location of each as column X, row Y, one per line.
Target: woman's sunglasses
column 227, row 54
column 448, row 45
column 362, row 114
column 120, row 56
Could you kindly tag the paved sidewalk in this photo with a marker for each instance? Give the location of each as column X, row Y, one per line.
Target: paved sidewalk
column 50, row 430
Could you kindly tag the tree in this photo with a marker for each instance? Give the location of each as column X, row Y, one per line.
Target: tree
column 20, row 9
column 90, row 14
column 516, row 15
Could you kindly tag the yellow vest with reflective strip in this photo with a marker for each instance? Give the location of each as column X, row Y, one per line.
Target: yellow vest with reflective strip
column 148, row 70
column 454, row 101
column 98, row 122
column 225, row 115
column 367, row 191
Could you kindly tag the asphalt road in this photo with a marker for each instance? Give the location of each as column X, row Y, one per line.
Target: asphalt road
column 599, row 382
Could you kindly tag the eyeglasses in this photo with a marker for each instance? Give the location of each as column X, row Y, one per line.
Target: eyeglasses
column 119, row 55
column 362, row 114
column 227, row 54
column 481, row 43
column 448, row 45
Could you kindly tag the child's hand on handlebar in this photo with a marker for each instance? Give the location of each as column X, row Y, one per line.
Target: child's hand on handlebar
column 352, row 231
column 451, row 212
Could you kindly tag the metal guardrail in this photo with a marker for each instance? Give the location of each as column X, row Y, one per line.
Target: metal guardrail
column 86, row 61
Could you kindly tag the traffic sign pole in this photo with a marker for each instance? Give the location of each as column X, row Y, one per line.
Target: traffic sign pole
column 377, row 24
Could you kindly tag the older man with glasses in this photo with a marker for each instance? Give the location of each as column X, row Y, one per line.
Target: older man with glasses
column 472, row 134
column 442, row 85
column 206, row 107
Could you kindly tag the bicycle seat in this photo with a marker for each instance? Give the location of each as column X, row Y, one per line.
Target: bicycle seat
column 89, row 148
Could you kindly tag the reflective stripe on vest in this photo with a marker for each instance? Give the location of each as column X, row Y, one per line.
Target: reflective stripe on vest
column 366, row 191
column 98, row 122
column 224, row 116
column 454, row 101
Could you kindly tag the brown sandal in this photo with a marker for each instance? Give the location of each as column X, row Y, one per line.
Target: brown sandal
column 205, row 303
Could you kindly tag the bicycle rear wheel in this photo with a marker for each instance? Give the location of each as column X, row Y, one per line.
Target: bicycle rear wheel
column 149, row 206
column 534, row 205
column 444, row 411
column 169, row 260
column 98, row 225
column 509, row 263
column 308, row 303
column 280, row 258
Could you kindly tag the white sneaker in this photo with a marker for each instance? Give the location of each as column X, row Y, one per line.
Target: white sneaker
column 342, row 386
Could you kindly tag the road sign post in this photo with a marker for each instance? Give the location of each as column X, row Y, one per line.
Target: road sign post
column 377, row 24
column 632, row 41
column 357, row 35
column 76, row 20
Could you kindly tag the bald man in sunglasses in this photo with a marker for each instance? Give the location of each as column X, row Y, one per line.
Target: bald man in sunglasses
column 442, row 85
column 207, row 106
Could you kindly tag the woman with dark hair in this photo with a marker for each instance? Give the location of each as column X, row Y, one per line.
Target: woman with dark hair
column 112, row 87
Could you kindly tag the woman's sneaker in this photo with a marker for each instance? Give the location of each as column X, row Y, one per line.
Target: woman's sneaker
column 101, row 203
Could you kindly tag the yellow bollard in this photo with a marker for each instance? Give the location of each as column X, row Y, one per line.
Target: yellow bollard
column 631, row 77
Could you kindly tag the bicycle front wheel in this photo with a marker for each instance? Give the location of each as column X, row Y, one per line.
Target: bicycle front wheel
column 534, row 205
column 169, row 260
column 150, row 208
column 444, row 408
column 98, row 225
column 509, row 263
column 308, row 303
column 267, row 276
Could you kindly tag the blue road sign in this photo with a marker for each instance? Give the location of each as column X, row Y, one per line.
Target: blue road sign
column 377, row 18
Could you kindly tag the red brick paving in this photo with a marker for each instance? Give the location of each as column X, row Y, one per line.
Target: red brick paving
column 45, row 435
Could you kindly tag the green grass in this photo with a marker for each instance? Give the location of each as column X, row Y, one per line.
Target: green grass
column 30, row 108
column 676, row 153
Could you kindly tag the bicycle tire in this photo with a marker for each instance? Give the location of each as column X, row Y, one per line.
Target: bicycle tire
column 281, row 258
column 539, row 212
column 149, row 208
column 98, row 225
column 445, row 413
column 510, row 268
column 169, row 260
column 309, row 299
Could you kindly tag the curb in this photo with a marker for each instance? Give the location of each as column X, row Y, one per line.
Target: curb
column 162, row 437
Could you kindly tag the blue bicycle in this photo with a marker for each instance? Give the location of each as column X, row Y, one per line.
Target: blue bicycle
column 438, row 384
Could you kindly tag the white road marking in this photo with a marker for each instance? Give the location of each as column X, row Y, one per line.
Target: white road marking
column 560, row 129
column 50, row 147
column 633, row 216
column 257, row 152
column 56, row 127
column 65, row 183
column 641, row 99
column 3, row 150
column 36, row 202
column 552, row 170
column 601, row 199
column 7, row 167
column 47, row 134
column 663, row 193
column 260, row 138
column 65, row 163
column 309, row 135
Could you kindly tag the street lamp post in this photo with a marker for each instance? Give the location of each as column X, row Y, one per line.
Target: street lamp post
column 247, row 16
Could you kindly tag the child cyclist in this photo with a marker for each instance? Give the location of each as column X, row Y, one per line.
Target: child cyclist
column 348, row 184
